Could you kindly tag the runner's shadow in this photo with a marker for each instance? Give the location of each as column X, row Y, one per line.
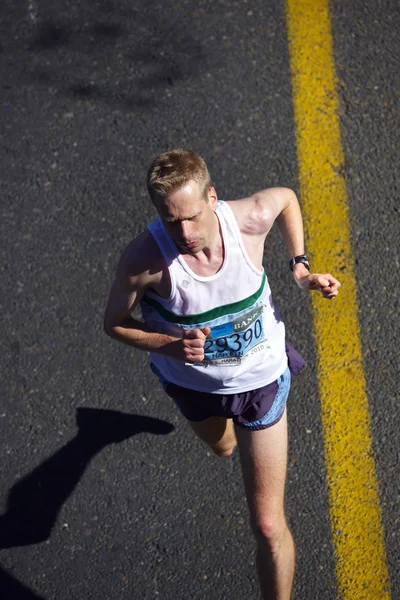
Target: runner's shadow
column 12, row 589
column 34, row 501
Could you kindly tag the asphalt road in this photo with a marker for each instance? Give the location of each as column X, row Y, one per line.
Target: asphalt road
column 105, row 493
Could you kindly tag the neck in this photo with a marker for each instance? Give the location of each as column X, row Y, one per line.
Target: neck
column 215, row 243
column 211, row 258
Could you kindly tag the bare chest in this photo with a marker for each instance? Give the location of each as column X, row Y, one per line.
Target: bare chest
column 204, row 268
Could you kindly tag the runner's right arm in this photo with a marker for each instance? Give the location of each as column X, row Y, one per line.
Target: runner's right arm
column 134, row 276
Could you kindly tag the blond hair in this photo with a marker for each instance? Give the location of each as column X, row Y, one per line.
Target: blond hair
column 172, row 170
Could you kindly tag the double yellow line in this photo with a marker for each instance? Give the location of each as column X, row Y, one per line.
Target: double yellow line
column 353, row 493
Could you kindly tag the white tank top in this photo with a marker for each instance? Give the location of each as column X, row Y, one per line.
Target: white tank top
column 246, row 347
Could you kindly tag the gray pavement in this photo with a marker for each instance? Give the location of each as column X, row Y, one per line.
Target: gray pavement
column 105, row 493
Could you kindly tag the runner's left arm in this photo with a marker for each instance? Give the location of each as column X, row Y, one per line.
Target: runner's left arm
column 288, row 216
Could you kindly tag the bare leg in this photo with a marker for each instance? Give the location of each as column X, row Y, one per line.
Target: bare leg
column 263, row 456
column 218, row 433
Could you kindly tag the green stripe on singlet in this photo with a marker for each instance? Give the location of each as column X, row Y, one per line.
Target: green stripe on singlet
column 209, row 315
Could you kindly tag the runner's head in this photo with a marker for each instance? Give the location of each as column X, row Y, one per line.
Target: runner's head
column 180, row 187
column 172, row 170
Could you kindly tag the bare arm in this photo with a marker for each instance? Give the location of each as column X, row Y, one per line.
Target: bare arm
column 125, row 295
column 136, row 272
column 131, row 282
column 281, row 205
column 290, row 223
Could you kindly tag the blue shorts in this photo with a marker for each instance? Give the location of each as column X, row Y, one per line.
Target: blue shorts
column 256, row 409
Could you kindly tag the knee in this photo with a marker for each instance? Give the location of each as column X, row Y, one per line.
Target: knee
column 270, row 531
column 223, row 451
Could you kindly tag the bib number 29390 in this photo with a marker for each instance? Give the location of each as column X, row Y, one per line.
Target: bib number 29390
column 232, row 342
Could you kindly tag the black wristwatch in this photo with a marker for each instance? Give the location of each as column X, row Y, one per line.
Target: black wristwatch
column 302, row 258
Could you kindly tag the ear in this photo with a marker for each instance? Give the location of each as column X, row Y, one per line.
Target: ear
column 212, row 197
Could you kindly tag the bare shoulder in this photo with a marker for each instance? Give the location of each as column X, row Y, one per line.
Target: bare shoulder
column 256, row 214
column 141, row 262
column 140, row 267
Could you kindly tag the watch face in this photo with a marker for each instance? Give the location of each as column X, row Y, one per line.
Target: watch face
column 299, row 259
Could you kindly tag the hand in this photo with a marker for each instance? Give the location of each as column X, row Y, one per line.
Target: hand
column 193, row 344
column 327, row 285
column 189, row 348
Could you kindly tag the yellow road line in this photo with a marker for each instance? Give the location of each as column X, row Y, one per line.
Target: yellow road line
column 353, row 493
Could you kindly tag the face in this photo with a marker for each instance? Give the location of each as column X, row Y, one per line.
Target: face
column 188, row 218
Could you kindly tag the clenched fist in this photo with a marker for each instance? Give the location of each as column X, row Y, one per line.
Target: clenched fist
column 327, row 285
column 193, row 344
column 189, row 348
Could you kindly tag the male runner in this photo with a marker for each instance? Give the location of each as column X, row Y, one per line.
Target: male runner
column 216, row 340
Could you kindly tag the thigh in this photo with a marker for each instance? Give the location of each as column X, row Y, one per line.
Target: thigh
column 263, row 456
column 217, row 432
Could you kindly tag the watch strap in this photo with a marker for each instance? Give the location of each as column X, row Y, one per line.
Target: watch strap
column 302, row 258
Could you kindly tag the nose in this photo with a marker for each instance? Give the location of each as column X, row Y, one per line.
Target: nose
column 186, row 230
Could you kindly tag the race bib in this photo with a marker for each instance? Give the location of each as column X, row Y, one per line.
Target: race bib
column 233, row 342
